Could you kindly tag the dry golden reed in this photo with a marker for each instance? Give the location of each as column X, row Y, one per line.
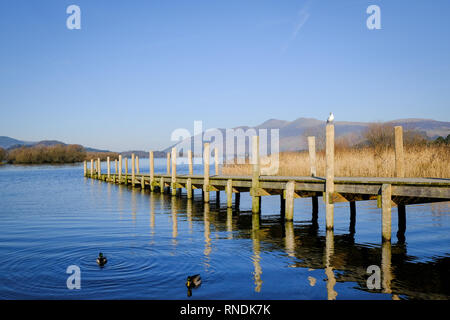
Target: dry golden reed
column 420, row 161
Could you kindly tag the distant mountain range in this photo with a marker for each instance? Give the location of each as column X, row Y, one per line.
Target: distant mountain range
column 293, row 134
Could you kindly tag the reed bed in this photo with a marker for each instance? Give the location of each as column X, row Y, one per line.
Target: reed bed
column 431, row 161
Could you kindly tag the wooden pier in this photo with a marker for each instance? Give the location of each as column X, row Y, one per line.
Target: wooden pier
column 389, row 192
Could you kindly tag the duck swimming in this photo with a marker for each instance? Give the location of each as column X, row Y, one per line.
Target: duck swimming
column 101, row 260
column 193, row 281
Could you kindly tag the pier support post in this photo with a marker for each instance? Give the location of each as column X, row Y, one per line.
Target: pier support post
column 85, row 168
column 108, row 165
column 255, row 174
column 161, row 185
column 352, row 216
column 237, row 201
column 312, row 155
column 92, row 168
column 282, row 206
column 99, row 165
column 206, row 155
column 120, row 168
column 401, row 210
column 168, row 163
column 386, row 193
column 216, row 166
column 174, row 172
column 116, row 170
column 191, row 169
column 189, row 188
column 137, row 165
column 133, row 168
column 289, row 206
column 399, row 157
column 126, row 171
column 229, row 192
column 329, row 185
column 152, row 170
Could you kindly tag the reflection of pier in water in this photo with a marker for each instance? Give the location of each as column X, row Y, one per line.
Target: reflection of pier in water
column 339, row 256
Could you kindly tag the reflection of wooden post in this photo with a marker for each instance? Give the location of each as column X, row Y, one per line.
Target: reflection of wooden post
column 99, row 168
column 168, row 162
column 229, row 192
column 399, row 158
column 152, row 169
column 329, row 185
column 289, row 239
column 255, row 176
column 312, row 155
column 191, row 170
column 120, row 167
column 289, row 206
column 386, row 192
column 85, row 168
column 386, row 272
column 108, row 164
column 133, row 168
column 174, row 172
column 329, row 252
column 206, row 155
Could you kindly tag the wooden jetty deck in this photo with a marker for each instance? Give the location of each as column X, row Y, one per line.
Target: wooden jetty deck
column 389, row 192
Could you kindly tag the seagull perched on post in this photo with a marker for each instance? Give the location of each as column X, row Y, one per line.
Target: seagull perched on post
column 330, row 118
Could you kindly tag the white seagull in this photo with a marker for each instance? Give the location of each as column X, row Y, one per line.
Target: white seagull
column 330, row 118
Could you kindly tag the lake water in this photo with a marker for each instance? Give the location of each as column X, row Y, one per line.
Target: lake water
column 51, row 217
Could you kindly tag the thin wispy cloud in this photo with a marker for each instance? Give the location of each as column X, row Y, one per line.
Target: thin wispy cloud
column 302, row 17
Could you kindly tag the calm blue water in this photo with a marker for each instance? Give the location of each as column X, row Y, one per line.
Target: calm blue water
column 52, row 217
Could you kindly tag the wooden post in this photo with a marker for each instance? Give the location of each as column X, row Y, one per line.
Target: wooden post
column 206, row 155
column 92, row 168
column 174, row 172
column 137, row 165
column 229, row 192
column 191, row 170
column 108, row 164
column 255, row 174
column 312, row 155
column 126, row 170
column 386, row 193
column 161, row 185
column 189, row 188
column 399, row 158
column 282, row 205
column 85, row 168
column 115, row 163
column 120, row 168
column 133, row 168
column 289, row 206
column 237, row 201
column 152, row 169
column 99, row 165
column 329, row 186
column 168, row 162
column 401, row 210
column 216, row 165
column 142, row 182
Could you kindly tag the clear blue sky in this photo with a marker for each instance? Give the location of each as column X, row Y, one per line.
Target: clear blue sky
column 137, row 70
